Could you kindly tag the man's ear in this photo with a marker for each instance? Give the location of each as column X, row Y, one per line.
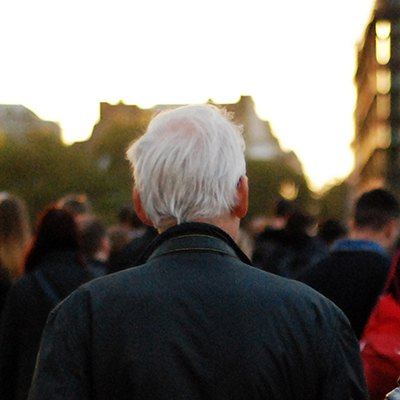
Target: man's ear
column 391, row 230
column 141, row 213
column 242, row 193
column 351, row 224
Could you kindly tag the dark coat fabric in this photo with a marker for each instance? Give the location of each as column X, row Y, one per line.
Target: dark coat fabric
column 131, row 253
column 24, row 317
column 5, row 284
column 196, row 321
column 97, row 268
column 353, row 280
column 285, row 253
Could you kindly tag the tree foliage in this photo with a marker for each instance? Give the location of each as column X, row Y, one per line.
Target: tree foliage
column 333, row 204
column 265, row 181
column 41, row 169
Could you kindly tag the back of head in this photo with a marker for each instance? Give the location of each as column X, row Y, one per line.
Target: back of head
column 375, row 209
column 284, row 208
column 299, row 223
column 93, row 233
column 14, row 233
column 56, row 231
column 331, row 230
column 119, row 238
column 76, row 204
column 188, row 164
column 128, row 217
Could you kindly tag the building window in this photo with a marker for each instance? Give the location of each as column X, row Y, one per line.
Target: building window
column 383, row 106
column 383, row 136
column 383, row 81
column 382, row 29
column 382, row 41
column 383, row 50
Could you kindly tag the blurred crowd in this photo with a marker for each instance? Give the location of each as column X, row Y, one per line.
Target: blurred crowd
column 354, row 265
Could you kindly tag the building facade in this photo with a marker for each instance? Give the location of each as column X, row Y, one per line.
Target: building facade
column 261, row 144
column 17, row 121
column 377, row 114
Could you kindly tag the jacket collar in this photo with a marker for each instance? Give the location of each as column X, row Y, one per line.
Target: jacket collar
column 193, row 236
column 359, row 245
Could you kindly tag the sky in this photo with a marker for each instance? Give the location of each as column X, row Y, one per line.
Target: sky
column 295, row 58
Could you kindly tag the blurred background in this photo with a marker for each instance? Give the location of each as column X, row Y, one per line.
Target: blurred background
column 316, row 86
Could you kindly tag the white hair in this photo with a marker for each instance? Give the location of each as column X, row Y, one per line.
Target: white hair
column 188, row 164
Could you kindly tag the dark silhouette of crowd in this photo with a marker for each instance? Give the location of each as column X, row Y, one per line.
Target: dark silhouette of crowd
column 252, row 297
column 38, row 269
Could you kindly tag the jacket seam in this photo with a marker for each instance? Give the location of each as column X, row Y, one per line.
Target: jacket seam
column 194, row 250
column 193, row 235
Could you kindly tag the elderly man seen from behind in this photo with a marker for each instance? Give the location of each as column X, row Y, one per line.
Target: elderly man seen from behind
column 196, row 320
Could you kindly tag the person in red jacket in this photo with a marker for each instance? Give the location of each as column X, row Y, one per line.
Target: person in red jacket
column 380, row 343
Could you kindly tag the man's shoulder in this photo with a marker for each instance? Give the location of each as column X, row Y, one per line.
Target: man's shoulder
column 117, row 282
column 300, row 296
column 266, row 287
column 354, row 258
column 263, row 299
column 341, row 267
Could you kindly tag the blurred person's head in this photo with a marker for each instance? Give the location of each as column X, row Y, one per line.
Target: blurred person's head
column 331, row 230
column 376, row 217
column 78, row 205
column 15, row 233
column 300, row 223
column 284, row 208
column 190, row 166
column 282, row 212
column 95, row 240
column 257, row 224
column 127, row 217
column 119, row 238
column 56, row 231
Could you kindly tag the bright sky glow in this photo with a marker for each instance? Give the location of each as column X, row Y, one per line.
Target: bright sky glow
column 295, row 58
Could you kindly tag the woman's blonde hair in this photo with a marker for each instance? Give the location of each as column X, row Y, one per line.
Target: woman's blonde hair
column 15, row 233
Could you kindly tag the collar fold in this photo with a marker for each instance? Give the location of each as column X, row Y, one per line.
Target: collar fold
column 193, row 236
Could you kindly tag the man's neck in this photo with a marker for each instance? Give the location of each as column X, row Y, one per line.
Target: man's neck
column 369, row 235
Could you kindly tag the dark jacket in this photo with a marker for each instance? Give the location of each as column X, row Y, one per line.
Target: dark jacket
column 197, row 322
column 97, row 268
column 286, row 253
column 353, row 277
column 24, row 317
column 131, row 253
column 5, row 284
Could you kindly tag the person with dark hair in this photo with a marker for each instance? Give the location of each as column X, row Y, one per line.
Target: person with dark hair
column 53, row 269
column 15, row 233
column 354, row 274
column 290, row 250
column 78, row 205
column 331, row 230
column 95, row 246
column 129, row 221
column 129, row 239
column 129, row 255
column 283, row 210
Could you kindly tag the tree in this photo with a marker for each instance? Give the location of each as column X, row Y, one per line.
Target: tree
column 265, row 181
